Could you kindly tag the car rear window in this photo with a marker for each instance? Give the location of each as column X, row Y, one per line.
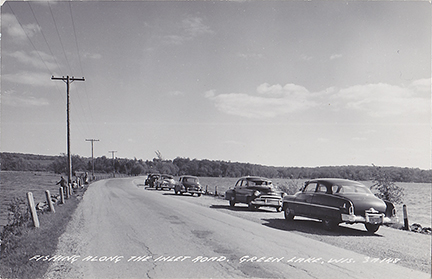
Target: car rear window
column 353, row 189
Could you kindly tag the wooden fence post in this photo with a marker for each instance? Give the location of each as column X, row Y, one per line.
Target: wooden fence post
column 405, row 216
column 32, row 208
column 61, row 195
column 49, row 201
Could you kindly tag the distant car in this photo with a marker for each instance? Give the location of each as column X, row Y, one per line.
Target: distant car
column 151, row 179
column 188, row 184
column 255, row 191
column 166, row 181
column 336, row 201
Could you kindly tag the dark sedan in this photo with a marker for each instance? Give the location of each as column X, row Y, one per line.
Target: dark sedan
column 256, row 192
column 336, row 201
column 188, row 184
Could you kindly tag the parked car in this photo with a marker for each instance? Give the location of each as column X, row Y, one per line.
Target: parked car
column 188, row 184
column 151, row 179
column 166, row 181
column 336, row 201
column 256, row 192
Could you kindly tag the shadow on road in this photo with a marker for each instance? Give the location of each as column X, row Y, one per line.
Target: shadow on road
column 310, row 226
column 243, row 208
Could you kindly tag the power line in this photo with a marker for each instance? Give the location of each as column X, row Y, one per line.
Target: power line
column 58, row 34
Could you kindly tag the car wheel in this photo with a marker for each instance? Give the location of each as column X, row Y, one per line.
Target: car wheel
column 288, row 214
column 250, row 205
column 232, row 201
column 329, row 225
column 372, row 228
column 278, row 209
column 199, row 195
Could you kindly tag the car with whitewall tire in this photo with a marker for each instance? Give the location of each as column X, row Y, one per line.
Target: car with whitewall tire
column 335, row 201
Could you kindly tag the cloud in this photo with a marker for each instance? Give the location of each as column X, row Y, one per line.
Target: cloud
column 9, row 98
column 190, row 28
column 249, row 55
column 305, row 57
column 29, row 78
column 92, row 55
column 193, row 26
column 381, row 100
column 335, row 56
column 176, row 93
column 372, row 100
column 37, row 59
column 271, row 101
column 19, row 33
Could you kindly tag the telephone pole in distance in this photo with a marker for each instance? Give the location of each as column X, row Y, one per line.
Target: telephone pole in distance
column 68, row 80
column 112, row 152
column 92, row 141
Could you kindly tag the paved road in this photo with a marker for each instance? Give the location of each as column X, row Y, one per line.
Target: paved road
column 123, row 231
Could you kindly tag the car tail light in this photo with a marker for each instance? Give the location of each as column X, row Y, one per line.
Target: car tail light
column 351, row 209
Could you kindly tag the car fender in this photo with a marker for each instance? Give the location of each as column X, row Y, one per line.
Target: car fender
column 229, row 193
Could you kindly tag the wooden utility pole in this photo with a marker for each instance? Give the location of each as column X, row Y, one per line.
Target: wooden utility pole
column 112, row 152
column 68, row 80
column 92, row 140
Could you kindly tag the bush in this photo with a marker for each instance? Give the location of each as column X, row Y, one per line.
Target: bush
column 386, row 189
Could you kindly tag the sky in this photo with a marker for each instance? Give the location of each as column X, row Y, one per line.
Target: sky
column 277, row 83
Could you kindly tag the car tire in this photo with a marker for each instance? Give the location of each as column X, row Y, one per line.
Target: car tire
column 278, row 209
column 289, row 216
column 250, row 205
column 371, row 228
column 232, row 201
column 199, row 195
column 329, row 225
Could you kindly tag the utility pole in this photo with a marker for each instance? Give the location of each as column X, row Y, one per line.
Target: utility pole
column 112, row 152
column 68, row 80
column 92, row 140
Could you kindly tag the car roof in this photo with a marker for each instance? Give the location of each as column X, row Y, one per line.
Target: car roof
column 190, row 176
column 336, row 181
column 254, row 178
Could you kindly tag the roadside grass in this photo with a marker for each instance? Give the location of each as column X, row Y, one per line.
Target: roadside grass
column 26, row 241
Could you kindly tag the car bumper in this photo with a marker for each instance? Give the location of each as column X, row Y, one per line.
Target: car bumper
column 376, row 219
column 270, row 201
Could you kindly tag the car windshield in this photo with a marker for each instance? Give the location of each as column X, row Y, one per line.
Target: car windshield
column 353, row 189
column 190, row 179
column 260, row 183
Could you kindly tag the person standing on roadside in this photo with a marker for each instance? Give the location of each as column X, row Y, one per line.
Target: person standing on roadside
column 63, row 183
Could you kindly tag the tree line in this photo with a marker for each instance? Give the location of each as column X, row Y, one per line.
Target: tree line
column 203, row 168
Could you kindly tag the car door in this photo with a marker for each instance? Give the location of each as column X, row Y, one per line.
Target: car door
column 241, row 190
column 302, row 203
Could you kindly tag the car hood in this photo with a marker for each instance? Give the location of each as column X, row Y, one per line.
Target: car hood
column 265, row 190
column 364, row 202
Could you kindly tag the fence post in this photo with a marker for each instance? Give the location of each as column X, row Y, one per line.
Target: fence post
column 49, row 201
column 61, row 195
column 215, row 193
column 206, row 191
column 32, row 208
column 405, row 216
